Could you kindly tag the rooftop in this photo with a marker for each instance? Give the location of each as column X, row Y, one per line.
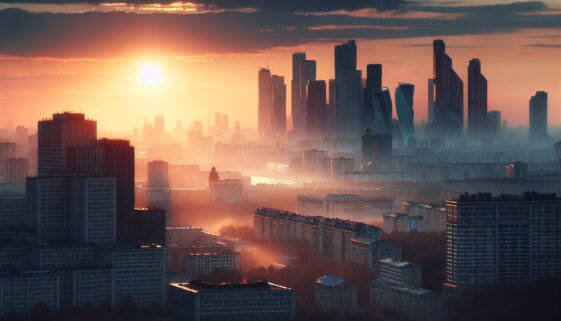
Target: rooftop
column 198, row 286
column 330, row 281
column 397, row 263
column 488, row 197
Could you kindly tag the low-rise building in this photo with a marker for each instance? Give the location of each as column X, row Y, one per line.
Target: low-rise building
column 398, row 288
column 224, row 190
column 346, row 206
column 334, row 293
column 369, row 252
column 204, row 262
column 199, row 301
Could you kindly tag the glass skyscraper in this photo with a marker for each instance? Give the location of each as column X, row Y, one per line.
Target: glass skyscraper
column 405, row 113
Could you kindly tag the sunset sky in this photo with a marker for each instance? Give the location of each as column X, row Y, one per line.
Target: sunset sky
column 78, row 56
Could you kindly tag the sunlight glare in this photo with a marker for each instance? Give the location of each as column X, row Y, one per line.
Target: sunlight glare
column 151, row 74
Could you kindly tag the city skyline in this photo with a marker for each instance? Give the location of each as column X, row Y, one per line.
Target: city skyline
column 44, row 81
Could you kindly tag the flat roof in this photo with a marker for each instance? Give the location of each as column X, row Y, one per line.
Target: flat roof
column 199, row 286
column 330, row 280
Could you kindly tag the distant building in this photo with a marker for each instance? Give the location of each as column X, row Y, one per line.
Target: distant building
column 334, row 293
column 347, row 92
column 278, row 116
column 516, row 170
column 204, row 262
column 511, row 186
column 339, row 166
column 346, row 206
column 7, row 151
column 376, row 150
column 16, row 171
column 224, row 190
column 489, row 226
column 448, row 95
column 298, row 59
column 405, row 112
column 369, row 252
column 316, row 110
column 262, row 301
column 538, row 119
column 493, row 123
column 57, row 134
column 398, row 288
column 265, row 105
column 416, row 217
column 330, row 237
column 477, row 100
column 158, row 174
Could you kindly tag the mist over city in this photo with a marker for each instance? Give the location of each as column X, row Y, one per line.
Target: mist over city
column 278, row 160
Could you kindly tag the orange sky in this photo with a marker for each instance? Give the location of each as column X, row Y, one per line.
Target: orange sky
column 109, row 90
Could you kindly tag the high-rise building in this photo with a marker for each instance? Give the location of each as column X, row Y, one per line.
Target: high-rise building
column 348, row 93
column 57, row 134
column 265, row 106
column 109, row 157
column 538, row 118
column 158, row 174
column 147, row 226
column 296, row 99
column 493, row 123
column 376, row 149
column 307, row 74
column 374, row 76
column 264, row 301
column 16, row 170
column 316, row 110
column 477, row 100
column 505, row 239
column 75, row 207
column 405, row 112
column 430, row 103
column 449, row 95
column 7, row 150
column 373, row 85
column 278, row 116
column 382, row 103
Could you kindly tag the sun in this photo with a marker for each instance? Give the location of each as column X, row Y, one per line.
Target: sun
column 151, row 74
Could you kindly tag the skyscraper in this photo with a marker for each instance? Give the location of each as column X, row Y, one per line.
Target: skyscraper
column 307, row 74
column 109, row 157
column 373, row 85
column 449, row 94
column 494, row 123
column 348, row 92
column 297, row 59
column 405, row 113
column 382, row 103
column 265, row 107
column 278, row 117
column 430, row 104
column 57, row 134
column 374, row 76
column 477, row 100
column 316, row 118
column 538, row 118
column 376, row 150
column 509, row 239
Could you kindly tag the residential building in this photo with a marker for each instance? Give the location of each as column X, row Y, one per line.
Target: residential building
column 204, row 262
column 334, row 293
column 199, row 301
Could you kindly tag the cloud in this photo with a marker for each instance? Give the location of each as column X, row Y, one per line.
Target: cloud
column 266, row 5
column 544, row 45
column 121, row 34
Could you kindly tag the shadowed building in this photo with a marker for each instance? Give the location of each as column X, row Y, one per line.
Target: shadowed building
column 57, row 134
column 316, row 119
column 477, row 100
column 348, row 107
column 538, row 119
column 405, row 113
column 449, row 95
